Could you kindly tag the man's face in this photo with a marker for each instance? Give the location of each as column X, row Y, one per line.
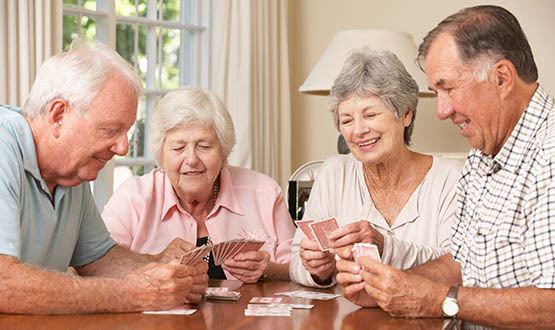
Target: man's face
column 92, row 138
column 474, row 106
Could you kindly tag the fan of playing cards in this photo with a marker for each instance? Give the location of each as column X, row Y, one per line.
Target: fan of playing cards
column 221, row 251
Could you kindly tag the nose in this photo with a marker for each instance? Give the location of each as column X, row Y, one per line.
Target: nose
column 191, row 157
column 121, row 146
column 360, row 127
column 444, row 109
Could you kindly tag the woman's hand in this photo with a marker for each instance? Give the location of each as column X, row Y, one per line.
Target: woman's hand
column 248, row 267
column 356, row 232
column 319, row 264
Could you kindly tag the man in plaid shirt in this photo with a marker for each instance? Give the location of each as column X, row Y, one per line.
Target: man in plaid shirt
column 501, row 270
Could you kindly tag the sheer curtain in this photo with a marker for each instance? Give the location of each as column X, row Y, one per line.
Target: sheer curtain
column 250, row 72
column 30, row 32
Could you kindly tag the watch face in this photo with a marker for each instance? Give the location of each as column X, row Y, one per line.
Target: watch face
column 450, row 307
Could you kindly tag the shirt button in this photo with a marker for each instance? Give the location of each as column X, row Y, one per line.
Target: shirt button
column 390, row 233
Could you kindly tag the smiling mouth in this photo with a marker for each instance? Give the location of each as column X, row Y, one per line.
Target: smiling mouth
column 103, row 161
column 368, row 143
column 192, row 173
column 463, row 124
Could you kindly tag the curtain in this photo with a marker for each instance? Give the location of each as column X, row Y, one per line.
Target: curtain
column 30, row 32
column 250, row 72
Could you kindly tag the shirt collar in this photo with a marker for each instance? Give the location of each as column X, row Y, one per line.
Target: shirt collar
column 28, row 149
column 226, row 196
column 511, row 154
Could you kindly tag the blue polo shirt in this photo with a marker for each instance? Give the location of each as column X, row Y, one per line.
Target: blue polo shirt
column 50, row 232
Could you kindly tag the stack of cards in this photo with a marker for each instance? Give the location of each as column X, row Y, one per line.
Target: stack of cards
column 227, row 250
column 267, row 306
column 366, row 249
column 221, row 293
column 319, row 231
column 308, row 295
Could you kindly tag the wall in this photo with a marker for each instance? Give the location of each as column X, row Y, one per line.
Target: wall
column 314, row 22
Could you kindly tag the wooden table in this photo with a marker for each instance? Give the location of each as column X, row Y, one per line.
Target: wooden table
column 332, row 314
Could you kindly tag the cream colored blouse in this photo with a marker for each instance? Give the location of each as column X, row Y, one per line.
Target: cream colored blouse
column 421, row 231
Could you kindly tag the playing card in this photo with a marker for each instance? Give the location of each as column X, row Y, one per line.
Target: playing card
column 249, row 246
column 308, row 295
column 305, row 228
column 194, row 256
column 321, row 230
column 265, row 300
column 182, row 310
column 280, row 305
column 268, row 312
column 365, row 249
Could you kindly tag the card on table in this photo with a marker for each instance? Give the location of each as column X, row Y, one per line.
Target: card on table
column 308, row 295
column 182, row 310
column 366, row 249
column 321, row 230
column 305, row 228
column 265, row 300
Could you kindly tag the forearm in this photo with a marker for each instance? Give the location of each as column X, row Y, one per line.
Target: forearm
column 29, row 290
column 118, row 262
column 443, row 269
column 528, row 307
column 277, row 271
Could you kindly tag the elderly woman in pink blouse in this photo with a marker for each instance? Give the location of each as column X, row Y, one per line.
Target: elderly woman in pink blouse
column 195, row 196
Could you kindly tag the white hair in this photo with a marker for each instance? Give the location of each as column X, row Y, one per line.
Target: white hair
column 76, row 76
column 189, row 105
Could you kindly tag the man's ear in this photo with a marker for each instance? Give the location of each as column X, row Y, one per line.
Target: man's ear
column 56, row 113
column 505, row 77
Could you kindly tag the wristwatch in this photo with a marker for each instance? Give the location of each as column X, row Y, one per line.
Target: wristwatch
column 450, row 305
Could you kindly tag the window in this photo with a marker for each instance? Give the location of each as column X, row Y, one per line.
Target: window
column 166, row 41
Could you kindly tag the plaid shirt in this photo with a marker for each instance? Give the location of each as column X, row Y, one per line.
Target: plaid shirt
column 504, row 235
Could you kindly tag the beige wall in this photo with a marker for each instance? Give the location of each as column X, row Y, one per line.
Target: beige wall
column 314, row 22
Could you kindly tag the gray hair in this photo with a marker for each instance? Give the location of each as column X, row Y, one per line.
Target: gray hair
column 189, row 105
column 484, row 35
column 368, row 72
column 77, row 76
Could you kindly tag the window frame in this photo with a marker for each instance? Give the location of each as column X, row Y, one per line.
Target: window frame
column 195, row 16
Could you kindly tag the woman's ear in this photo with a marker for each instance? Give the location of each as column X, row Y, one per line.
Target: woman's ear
column 408, row 118
column 55, row 114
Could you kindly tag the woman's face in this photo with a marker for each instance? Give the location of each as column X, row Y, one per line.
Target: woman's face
column 370, row 129
column 192, row 159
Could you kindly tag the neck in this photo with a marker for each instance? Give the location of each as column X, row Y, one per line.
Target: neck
column 390, row 173
column 43, row 152
column 514, row 107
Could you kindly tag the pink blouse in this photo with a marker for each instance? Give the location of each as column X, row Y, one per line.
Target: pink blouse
column 145, row 215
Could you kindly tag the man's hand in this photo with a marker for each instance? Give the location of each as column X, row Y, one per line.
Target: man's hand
column 248, row 267
column 174, row 250
column 160, row 286
column 200, row 281
column 400, row 293
column 319, row 264
column 356, row 232
column 352, row 284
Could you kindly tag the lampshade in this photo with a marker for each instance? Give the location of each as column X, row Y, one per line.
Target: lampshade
column 321, row 78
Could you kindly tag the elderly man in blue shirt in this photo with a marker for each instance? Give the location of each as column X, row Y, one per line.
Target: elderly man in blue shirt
column 76, row 119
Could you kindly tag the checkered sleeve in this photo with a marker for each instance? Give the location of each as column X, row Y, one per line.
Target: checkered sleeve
column 540, row 236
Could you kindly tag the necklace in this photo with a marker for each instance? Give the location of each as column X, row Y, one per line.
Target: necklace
column 216, row 189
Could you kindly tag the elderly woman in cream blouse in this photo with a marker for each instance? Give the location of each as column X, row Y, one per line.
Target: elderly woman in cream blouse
column 382, row 193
